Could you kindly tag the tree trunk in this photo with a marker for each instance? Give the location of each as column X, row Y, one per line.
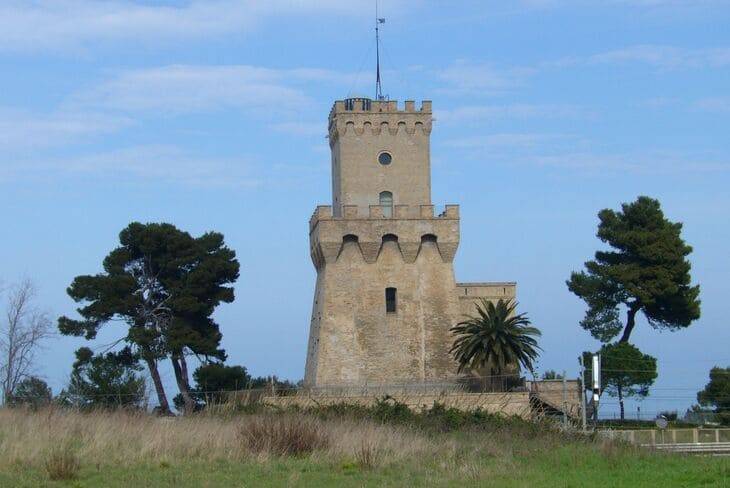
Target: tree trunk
column 159, row 388
column 621, row 401
column 184, row 370
column 182, row 383
column 630, row 321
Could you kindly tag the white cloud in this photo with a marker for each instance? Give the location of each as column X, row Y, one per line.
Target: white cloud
column 713, row 104
column 27, row 130
column 571, row 152
column 465, row 77
column 507, row 140
column 316, row 128
column 188, row 88
column 62, row 24
column 648, row 162
column 665, row 57
column 160, row 163
column 511, row 111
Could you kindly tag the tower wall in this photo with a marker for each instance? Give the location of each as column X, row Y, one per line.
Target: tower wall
column 470, row 293
column 362, row 247
column 353, row 339
column 360, row 132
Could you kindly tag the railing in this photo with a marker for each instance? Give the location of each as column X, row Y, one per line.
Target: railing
column 656, row 437
column 716, row 448
column 325, row 212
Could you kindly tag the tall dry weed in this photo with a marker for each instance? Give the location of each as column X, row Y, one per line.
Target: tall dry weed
column 62, row 464
column 369, row 454
column 284, row 435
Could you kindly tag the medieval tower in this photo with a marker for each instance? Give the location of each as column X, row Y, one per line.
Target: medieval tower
column 386, row 295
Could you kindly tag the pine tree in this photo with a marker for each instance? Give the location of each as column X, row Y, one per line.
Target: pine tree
column 646, row 271
column 164, row 285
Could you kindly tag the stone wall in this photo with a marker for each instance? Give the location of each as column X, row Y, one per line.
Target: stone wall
column 561, row 396
column 517, row 403
column 470, row 293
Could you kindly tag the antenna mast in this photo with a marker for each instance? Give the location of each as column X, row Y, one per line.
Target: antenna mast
column 378, row 86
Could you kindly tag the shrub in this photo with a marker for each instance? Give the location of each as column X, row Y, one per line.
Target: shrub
column 670, row 416
column 388, row 409
column 283, row 435
column 723, row 418
column 62, row 464
column 368, row 454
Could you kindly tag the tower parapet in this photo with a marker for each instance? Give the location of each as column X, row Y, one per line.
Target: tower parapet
column 408, row 226
column 357, row 115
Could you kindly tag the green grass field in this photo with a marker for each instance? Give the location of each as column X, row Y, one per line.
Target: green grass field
column 57, row 448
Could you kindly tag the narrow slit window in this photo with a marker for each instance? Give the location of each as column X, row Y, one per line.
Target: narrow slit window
column 391, row 300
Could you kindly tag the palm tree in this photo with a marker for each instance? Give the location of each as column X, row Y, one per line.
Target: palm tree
column 495, row 339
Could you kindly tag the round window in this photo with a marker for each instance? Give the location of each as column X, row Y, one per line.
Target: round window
column 384, row 158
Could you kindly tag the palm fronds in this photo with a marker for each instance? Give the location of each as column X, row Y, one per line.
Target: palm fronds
column 495, row 337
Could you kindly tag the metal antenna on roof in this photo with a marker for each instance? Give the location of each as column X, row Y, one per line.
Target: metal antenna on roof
column 378, row 86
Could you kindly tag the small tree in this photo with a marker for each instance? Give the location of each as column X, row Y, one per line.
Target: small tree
column 625, row 372
column 551, row 374
column 22, row 330
column 214, row 380
column 495, row 339
column 108, row 380
column 716, row 393
column 645, row 271
column 32, row 392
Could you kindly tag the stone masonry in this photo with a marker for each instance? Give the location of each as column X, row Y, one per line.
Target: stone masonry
column 386, row 295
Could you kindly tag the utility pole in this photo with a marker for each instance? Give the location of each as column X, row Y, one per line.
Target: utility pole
column 565, row 401
column 596, row 386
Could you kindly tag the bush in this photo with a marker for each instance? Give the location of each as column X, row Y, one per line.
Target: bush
column 32, row 392
column 283, row 435
column 388, row 409
column 723, row 418
column 436, row 418
column 670, row 416
column 62, row 464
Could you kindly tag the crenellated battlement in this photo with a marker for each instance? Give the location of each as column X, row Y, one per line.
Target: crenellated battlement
column 366, row 105
column 358, row 116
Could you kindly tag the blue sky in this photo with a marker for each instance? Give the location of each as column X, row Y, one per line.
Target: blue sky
column 212, row 115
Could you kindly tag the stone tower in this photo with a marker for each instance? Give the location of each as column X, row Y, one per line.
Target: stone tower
column 385, row 296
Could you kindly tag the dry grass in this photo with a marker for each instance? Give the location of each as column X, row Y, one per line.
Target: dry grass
column 137, row 449
column 124, row 438
column 62, row 464
column 284, row 435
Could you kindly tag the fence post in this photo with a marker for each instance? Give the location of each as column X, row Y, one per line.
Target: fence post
column 583, row 419
column 565, row 401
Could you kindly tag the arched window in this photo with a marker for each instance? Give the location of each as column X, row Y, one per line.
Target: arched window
column 386, row 202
